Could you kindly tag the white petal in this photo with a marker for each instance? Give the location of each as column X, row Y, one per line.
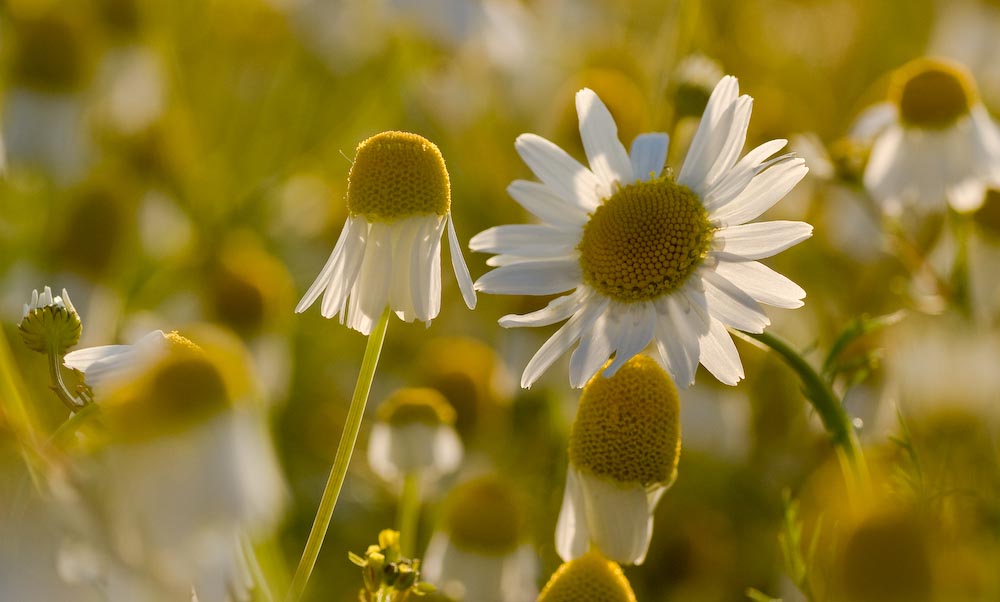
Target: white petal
column 556, row 311
column 648, row 155
column 704, row 146
column 762, row 283
column 461, row 270
column 594, row 349
column 734, row 139
column 379, row 451
column 572, row 537
column 637, row 332
column 873, row 120
column 323, row 279
column 82, row 359
column 718, row 353
column 967, row 196
column 882, row 163
column 448, row 450
column 617, row 518
column 736, row 180
column 564, row 338
column 345, row 270
column 540, row 201
column 531, row 278
column 766, row 189
column 605, row 152
column 761, row 239
column 563, row 174
column 370, row 294
column 531, row 240
column 731, row 305
column 677, row 340
column 401, row 286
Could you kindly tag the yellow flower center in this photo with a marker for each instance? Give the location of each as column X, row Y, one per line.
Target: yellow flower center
column 397, row 175
column 932, row 93
column 483, row 516
column 180, row 343
column 589, row 578
column 627, row 427
column 416, row 405
column 644, row 241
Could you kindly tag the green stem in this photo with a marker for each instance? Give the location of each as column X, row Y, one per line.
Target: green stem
column 409, row 514
column 829, row 407
column 340, row 463
column 55, row 373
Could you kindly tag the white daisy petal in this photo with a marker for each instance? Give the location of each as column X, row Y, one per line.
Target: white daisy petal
column 564, row 338
column 873, row 120
column 648, row 155
column 594, row 349
column 606, row 154
column 677, row 339
column 524, row 241
column 556, row 311
column 719, row 354
column 572, row 536
column 345, row 270
column 531, row 278
column 323, row 280
column 699, row 157
column 544, row 204
column 731, row 305
column 731, row 184
column 639, row 329
column 762, row 283
column 881, row 163
column 458, row 265
column 766, row 189
column 563, row 174
column 617, row 518
column 761, row 239
column 537, row 254
column 734, row 140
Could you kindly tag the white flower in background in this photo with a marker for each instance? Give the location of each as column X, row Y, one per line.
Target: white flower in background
column 389, row 252
column 933, row 142
column 589, row 578
column 479, row 555
column 414, row 434
column 649, row 258
column 186, row 469
column 131, row 87
column 623, row 454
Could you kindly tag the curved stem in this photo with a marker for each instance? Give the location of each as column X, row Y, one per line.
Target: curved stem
column 409, row 514
column 55, row 373
column 338, row 471
column 829, row 407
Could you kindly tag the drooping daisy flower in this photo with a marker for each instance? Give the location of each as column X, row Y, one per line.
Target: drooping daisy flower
column 933, row 141
column 649, row 257
column 589, row 578
column 479, row 556
column 623, row 453
column 389, row 252
column 414, row 434
column 182, row 468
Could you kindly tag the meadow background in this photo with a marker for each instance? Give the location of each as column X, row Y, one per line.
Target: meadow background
column 208, row 185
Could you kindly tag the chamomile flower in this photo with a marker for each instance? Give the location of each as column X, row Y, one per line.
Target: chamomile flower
column 589, row 578
column 479, row 556
column 649, row 258
column 623, row 453
column 389, row 252
column 108, row 366
column 933, row 141
column 414, row 434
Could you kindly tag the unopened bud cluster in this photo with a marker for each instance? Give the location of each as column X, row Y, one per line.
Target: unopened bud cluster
column 388, row 576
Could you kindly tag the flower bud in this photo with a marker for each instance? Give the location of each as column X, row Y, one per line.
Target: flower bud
column 50, row 323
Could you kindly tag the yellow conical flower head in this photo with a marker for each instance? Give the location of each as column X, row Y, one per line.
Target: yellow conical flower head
column 183, row 388
column 483, row 516
column 933, row 93
column 589, row 578
column 627, row 427
column 416, row 405
column 397, row 175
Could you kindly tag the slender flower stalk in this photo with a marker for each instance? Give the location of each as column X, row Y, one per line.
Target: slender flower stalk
column 343, row 459
column 409, row 513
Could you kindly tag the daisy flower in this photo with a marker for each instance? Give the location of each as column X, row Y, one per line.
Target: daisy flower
column 649, row 258
column 389, row 252
column 932, row 142
column 623, row 454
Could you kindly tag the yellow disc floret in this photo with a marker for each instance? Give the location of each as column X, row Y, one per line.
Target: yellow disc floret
column 483, row 516
column 397, row 175
column 416, row 405
column 589, row 578
column 627, row 427
column 644, row 241
column 933, row 93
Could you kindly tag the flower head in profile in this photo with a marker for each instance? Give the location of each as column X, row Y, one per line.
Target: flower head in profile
column 479, row 555
column 589, row 578
column 414, row 434
column 389, row 252
column 50, row 322
column 649, row 257
column 933, row 142
column 623, row 454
